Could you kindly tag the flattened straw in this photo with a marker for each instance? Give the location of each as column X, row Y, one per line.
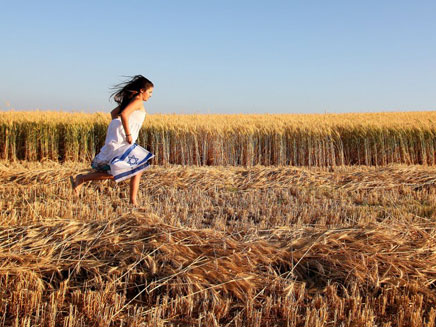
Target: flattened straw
column 302, row 257
column 136, row 263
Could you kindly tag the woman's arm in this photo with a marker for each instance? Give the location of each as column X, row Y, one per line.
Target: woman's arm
column 115, row 112
column 131, row 107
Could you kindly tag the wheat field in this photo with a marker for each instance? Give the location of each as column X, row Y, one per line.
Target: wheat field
column 373, row 139
column 219, row 246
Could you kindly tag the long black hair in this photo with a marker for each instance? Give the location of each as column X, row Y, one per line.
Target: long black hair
column 126, row 91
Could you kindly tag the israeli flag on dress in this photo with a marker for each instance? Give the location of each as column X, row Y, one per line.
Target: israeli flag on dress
column 134, row 160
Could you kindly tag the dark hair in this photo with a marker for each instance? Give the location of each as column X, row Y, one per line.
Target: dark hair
column 125, row 92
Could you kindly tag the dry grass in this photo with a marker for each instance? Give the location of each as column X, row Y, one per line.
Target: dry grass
column 78, row 273
column 219, row 246
column 247, row 140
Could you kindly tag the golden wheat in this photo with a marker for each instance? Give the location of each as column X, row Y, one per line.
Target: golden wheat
column 282, row 139
column 136, row 270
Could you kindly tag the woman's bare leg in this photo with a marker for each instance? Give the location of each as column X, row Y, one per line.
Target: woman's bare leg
column 77, row 182
column 134, row 186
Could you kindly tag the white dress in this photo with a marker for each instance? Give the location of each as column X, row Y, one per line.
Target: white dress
column 116, row 143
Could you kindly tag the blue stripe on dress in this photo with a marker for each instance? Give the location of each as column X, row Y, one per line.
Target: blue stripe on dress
column 149, row 155
column 130, row 172
column 125, row 154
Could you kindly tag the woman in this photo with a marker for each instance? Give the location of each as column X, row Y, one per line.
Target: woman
column 122, row 132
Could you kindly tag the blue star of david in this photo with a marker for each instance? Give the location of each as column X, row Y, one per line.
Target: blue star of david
column 132, row 160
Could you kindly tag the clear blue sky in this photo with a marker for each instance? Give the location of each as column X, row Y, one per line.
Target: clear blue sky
column 221, row 56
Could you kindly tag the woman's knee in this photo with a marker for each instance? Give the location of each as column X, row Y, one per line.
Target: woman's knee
column 136, row 177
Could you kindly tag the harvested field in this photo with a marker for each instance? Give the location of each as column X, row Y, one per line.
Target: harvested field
column 219, row 246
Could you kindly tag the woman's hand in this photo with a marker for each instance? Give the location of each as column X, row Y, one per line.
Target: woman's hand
column 129, row 139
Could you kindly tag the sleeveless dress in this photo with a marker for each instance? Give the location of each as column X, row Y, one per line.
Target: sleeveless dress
column 116, row 143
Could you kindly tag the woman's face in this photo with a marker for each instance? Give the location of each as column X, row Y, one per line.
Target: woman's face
column 147, row 94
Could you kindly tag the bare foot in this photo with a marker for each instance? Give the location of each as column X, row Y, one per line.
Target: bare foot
column 76, row 184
